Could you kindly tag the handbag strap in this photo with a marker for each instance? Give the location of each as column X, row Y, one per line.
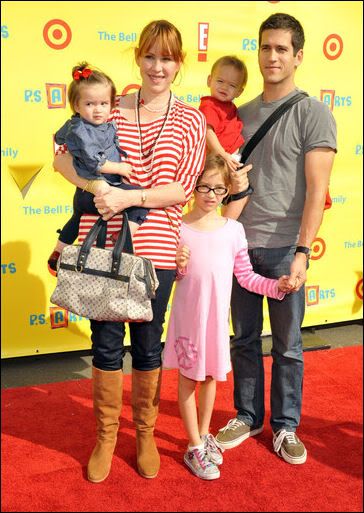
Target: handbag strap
column 268, row 123
column 101, row 237
column 123, row 239
column 124, row 235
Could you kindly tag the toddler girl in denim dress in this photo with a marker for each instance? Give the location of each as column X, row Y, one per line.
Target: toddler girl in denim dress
column 93, row 143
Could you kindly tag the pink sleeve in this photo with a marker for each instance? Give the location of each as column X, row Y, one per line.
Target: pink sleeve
column 194, row 152
column 252, row 281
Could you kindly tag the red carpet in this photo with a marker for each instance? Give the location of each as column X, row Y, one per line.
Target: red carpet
column 48, row 434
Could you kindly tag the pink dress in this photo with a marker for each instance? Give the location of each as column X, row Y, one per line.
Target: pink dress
column 197, row 340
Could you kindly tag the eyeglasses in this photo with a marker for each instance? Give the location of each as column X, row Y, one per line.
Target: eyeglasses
column 205, row 189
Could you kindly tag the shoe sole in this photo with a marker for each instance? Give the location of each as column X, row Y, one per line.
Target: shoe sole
column 97, row 480
column 290, row 459
column 148, row 476
column 205, row 477
column 238, row 441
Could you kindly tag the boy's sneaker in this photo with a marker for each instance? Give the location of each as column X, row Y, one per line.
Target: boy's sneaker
column 212, row 450
column 198, row 462
column 52, row 263
column 234, row 433
column 287, row 445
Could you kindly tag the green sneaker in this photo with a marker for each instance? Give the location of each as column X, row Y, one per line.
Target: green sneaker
column 234, row 433
column 287, row 445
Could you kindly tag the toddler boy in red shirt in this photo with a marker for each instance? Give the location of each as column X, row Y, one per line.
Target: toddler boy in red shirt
column 227, row 81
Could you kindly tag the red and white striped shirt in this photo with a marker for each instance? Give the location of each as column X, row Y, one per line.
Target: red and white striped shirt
column 178, row 156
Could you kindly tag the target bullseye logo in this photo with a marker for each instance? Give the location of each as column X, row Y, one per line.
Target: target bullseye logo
column 359, row 289
column 57, row 34
column 318, row 248
column 333, row 47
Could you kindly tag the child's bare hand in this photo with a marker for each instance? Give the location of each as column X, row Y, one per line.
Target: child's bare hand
column 183, row 256
column 125, row 169
column 231, row 162
column 284, row 285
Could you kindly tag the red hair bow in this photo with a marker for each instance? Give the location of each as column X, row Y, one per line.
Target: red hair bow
column 85, row 73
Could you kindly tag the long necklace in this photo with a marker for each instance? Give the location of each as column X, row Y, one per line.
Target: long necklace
column 137, row 115
column 150, row 109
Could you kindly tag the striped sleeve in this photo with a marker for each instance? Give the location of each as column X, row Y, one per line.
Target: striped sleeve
column 194, row 154
column 250, row 280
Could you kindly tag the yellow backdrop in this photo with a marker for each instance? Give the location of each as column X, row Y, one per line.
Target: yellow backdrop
column 41, row 41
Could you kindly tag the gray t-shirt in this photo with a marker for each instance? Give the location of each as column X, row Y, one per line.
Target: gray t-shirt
column 272, row 217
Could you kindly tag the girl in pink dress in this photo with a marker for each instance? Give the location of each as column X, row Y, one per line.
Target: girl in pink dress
column 212, row 249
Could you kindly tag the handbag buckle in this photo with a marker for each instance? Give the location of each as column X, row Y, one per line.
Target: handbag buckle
column 79, row 268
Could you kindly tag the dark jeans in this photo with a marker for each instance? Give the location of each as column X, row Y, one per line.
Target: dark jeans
column 83, row 203
column 286, row 317
column 108, row 337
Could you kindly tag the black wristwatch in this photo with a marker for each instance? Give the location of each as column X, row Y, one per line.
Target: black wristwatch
column 238, row 195
column 303, row 249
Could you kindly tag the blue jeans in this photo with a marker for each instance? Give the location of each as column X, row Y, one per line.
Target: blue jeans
column 145, row 337
column 286, row 317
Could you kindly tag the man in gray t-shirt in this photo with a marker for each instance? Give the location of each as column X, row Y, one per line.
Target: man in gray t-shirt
column 272, row 217
column 290, row 177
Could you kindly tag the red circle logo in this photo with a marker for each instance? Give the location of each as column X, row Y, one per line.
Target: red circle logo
column 333, row 47
column 57, row 34
column 318, row 248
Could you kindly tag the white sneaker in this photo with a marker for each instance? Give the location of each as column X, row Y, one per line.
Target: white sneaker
column 198, row 462
column 212, row 450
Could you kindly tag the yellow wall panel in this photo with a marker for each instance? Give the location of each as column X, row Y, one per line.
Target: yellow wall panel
column 42, row 41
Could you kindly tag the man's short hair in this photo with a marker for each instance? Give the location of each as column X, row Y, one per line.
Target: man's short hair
column 285, row 22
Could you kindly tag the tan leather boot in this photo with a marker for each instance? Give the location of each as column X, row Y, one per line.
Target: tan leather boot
column 145, row 403
column 107, row 396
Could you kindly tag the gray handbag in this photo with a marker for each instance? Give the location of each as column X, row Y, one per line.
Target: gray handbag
column 105, row 284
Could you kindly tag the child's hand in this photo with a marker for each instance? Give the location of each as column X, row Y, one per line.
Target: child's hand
column 231, row 162
column 125, row 169
column 283, row 284
column 182, row 256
